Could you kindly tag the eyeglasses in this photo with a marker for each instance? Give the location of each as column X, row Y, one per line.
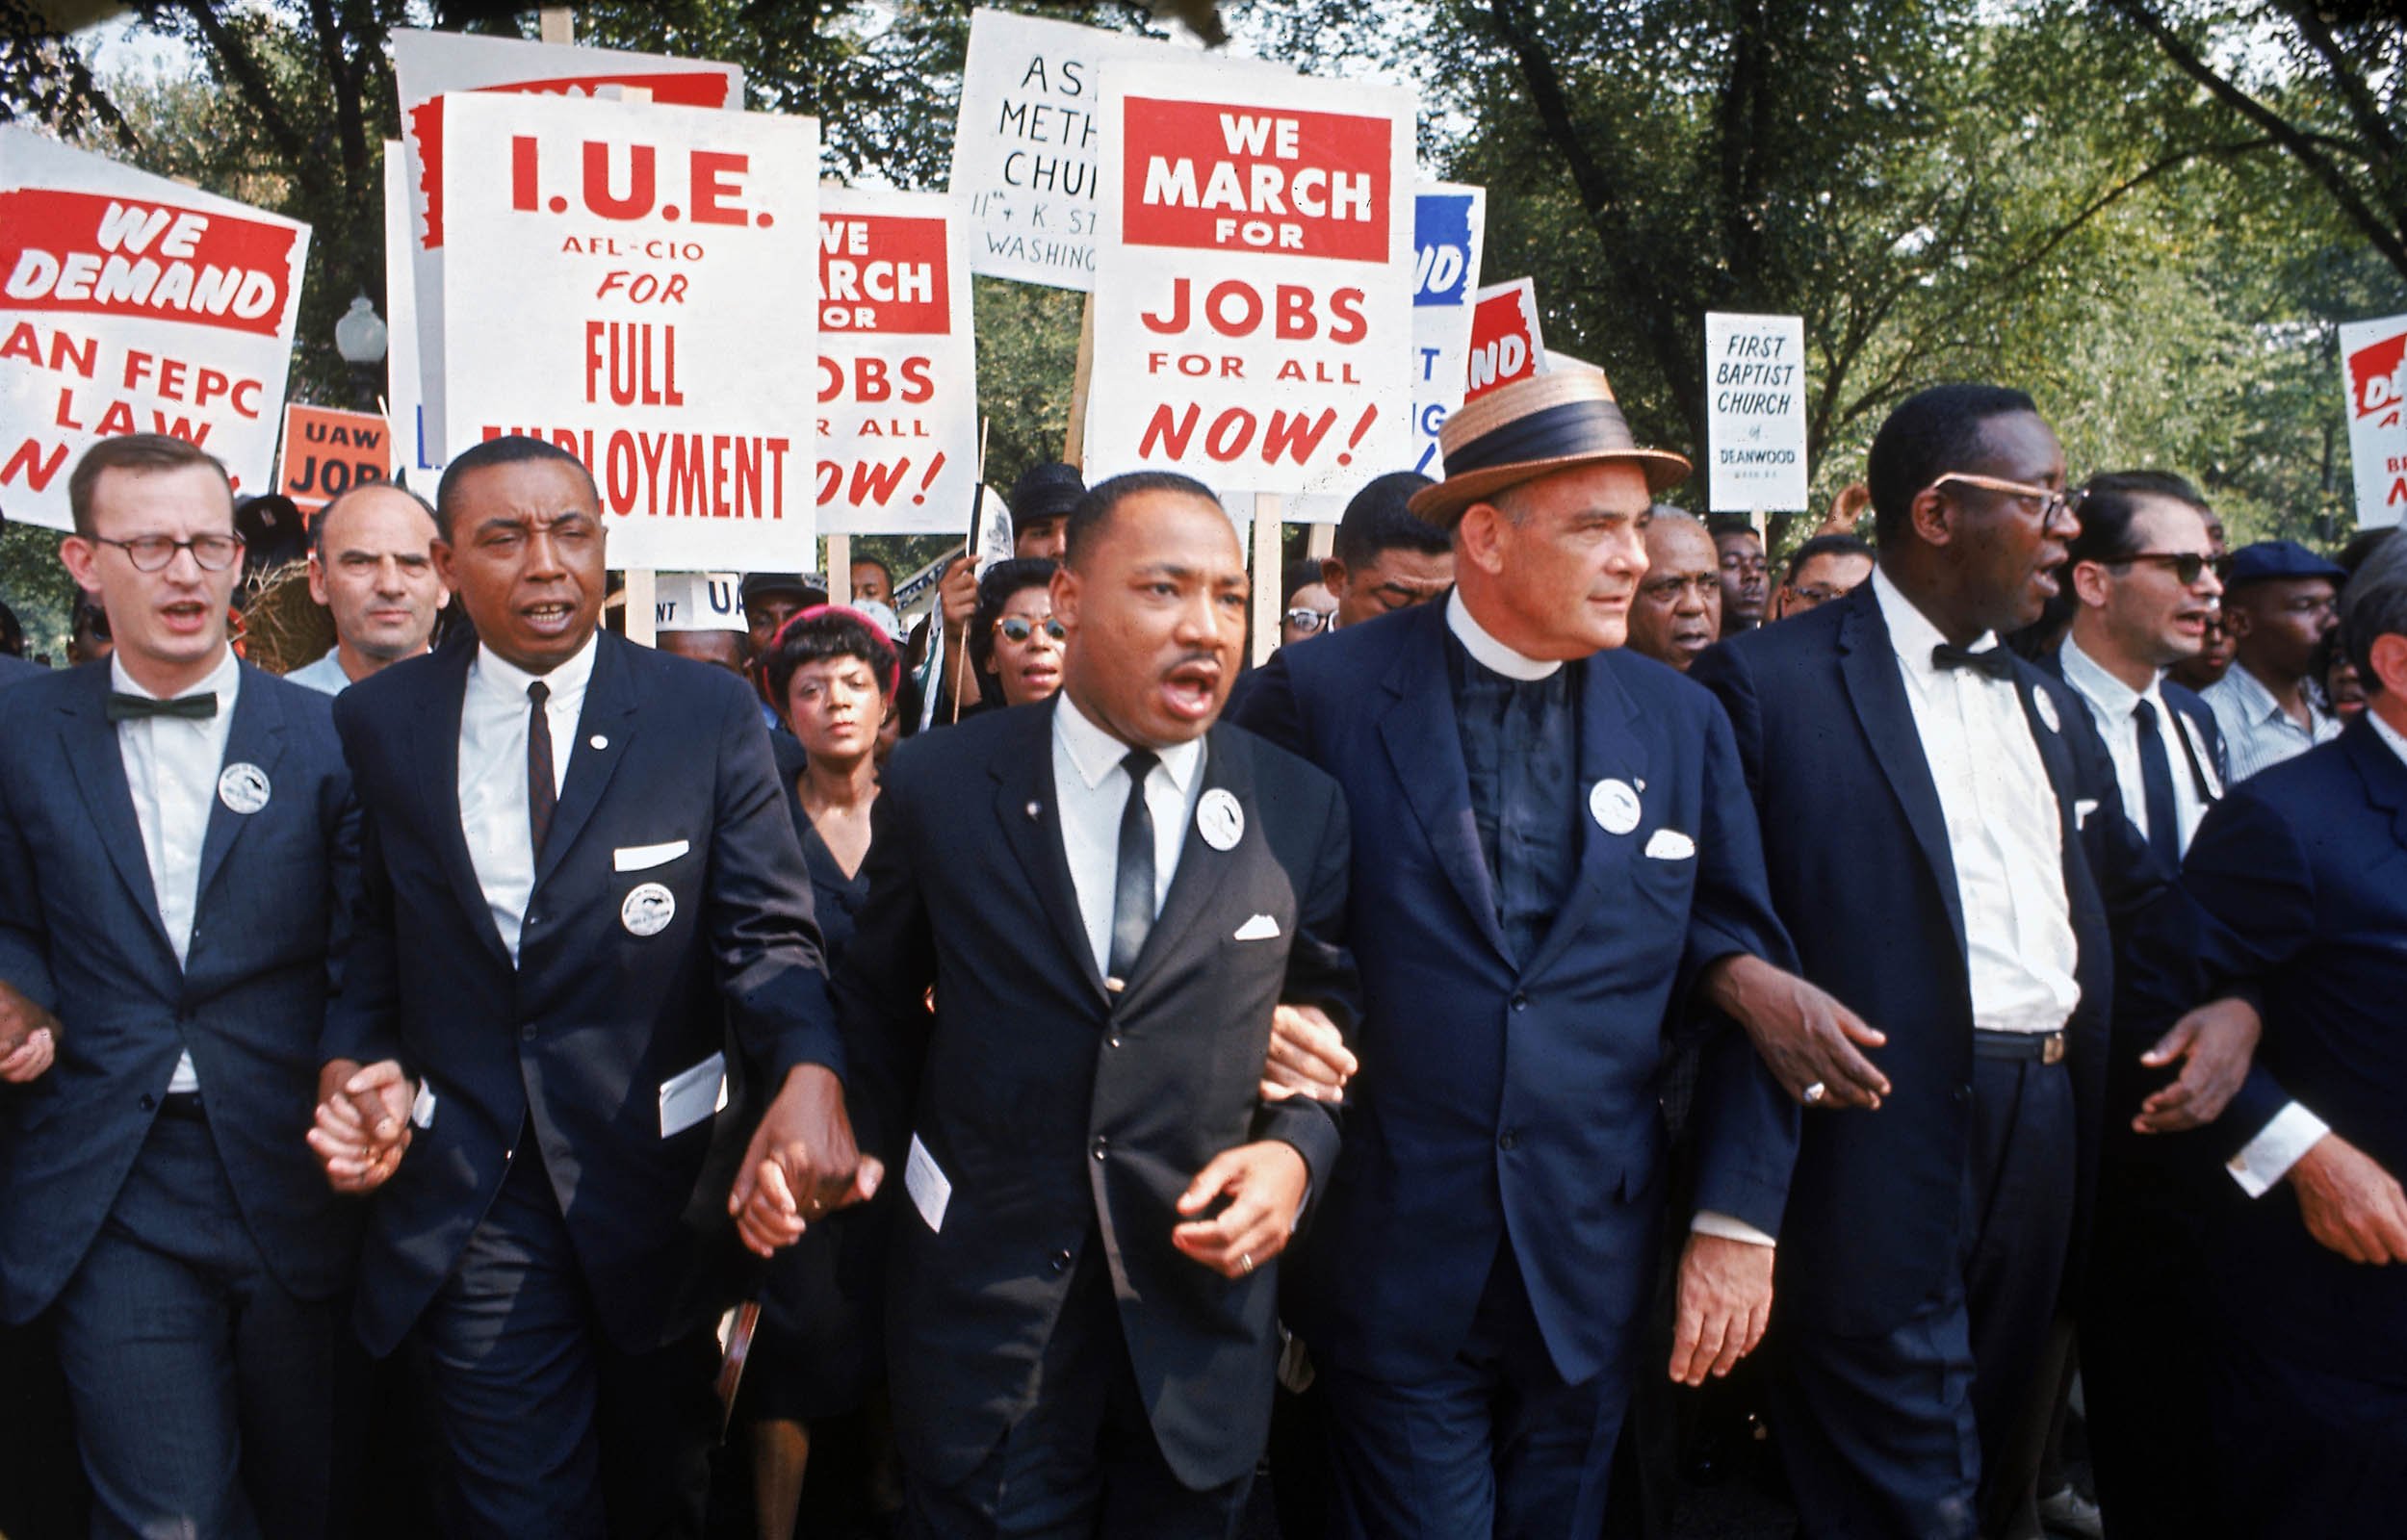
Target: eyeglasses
column 1308, row 621
column 1018, row 628
column 1816, row 593
column 2184, row 565
column 157, row 552
column 2051, row 502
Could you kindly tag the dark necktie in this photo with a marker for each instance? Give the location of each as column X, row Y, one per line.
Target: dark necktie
column 542, row 791
column 1994, row 661
column 1132, row 890
column 123, row 708
column 2156, row 789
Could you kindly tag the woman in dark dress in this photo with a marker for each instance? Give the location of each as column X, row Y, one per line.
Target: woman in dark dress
column 832, row 674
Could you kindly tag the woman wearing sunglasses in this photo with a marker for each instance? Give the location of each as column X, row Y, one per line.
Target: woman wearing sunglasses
column 1014, row 642
column 832, row 673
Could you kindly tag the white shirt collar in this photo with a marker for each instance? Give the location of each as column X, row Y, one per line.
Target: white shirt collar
column 1096, row 753
column 2388, row 735
column 2114, row 698
column 1911, row 632
column 1488, row 652
column 491, row 671
column 224, row 681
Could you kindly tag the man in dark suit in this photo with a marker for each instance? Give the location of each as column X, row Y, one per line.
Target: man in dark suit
column 1552, row 854
column 16, row 671
column 1111, row 896
column 1944, row 838
column 2302, row 872
column 2140, row 584
column 177, row 836
column 578, row 878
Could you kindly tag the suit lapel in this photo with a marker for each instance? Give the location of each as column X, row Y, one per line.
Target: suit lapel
column 1608, row 749
column 2383, row 772
column 1869, row 664
column 1028, row 811
column 1203, row 869
column 255, row 737
column 437, row 720
column 1425, row 744
column 603, row 729
column 97, row 767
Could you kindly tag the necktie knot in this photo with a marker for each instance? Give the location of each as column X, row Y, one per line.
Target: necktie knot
column 2146, row 714
column 1992, row 662
column 125, row 707
column 539, row 693
column 1139, row 763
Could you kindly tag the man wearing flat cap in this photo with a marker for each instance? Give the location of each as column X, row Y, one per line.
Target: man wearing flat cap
column 1553, row 853
column 2280, row 601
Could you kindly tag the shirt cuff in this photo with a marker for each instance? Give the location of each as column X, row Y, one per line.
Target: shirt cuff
column 2267, row 1158
column 1730, row 1228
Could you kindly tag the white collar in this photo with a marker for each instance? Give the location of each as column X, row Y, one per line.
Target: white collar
column 223, row 681
column 1094, row 753
column 569, row 679
column 2388, row 735
column 1911, row 632
column 1488, row 652
column 2116, row 699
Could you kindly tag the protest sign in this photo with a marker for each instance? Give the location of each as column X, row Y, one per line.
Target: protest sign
column 1253, row 280
column 698, row 602
column 897, row 364
column 426, row 64
column 414, row 456
column 327, row 453
column 133, row 304
column 1449, row 227
column 1755, row 413
column 618, row 284
column 2373, row 370
column 1507, row 343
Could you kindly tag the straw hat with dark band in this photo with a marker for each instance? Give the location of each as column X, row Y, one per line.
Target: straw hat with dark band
column 1534, row 427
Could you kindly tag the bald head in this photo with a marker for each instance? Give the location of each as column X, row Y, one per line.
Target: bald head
column 1677, row 613
column 373, row 566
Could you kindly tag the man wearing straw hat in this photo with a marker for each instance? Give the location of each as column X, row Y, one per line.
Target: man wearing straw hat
column 1553, row 852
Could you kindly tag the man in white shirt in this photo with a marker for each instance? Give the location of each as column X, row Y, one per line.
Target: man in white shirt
column 2280, row 601
column 176, row 845
column 371, row 564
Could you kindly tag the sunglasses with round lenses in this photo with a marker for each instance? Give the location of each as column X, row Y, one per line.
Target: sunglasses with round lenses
column 2186, row 565
column 1018, row 628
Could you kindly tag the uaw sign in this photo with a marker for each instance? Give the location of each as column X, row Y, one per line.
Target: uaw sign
column 327, row 453
column 1449, row 225
column 613, row 286
column 1506, row 342
column 133, row 304
column 2373, row 368
column 1254, row 293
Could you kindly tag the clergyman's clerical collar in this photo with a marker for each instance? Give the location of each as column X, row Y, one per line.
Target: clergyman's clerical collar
column 1488, row 652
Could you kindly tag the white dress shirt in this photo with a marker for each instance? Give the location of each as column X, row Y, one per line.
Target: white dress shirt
column 1091, row 786
column 1498, row 658
column 172, row 769
column 2111, row 703
column 493, row 772
column 2002, row 818
column 2293, row 1130
column 2257, row 731
column 326, row 676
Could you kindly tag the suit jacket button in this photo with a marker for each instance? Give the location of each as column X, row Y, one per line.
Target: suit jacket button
column 1963, row 1093
column 1508, row 1138
column 1112, row 1042
column 1102, row 1147
column 1061, row 1262
column 149, row 1101
column 1520, row 1001
column 527, row 1033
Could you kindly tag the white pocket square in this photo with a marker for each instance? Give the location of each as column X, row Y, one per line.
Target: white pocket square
column 643, row 857
column 2083, row 807
column 1670, row 844
column 1261, row 928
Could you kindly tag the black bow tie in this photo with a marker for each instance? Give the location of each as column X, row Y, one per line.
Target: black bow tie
column 124, row 708
column 1995, row 661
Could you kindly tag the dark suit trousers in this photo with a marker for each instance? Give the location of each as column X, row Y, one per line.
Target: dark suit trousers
column 549, row 1429
column 1081, row 1461
column 208, row 1401
column 1493, row 1443
column 1893, row 1435
column 2304, row 1451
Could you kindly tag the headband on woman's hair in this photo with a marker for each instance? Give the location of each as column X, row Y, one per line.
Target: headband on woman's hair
column 894, row 668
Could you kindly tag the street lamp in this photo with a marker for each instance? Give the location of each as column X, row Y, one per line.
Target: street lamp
column 359, row 337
